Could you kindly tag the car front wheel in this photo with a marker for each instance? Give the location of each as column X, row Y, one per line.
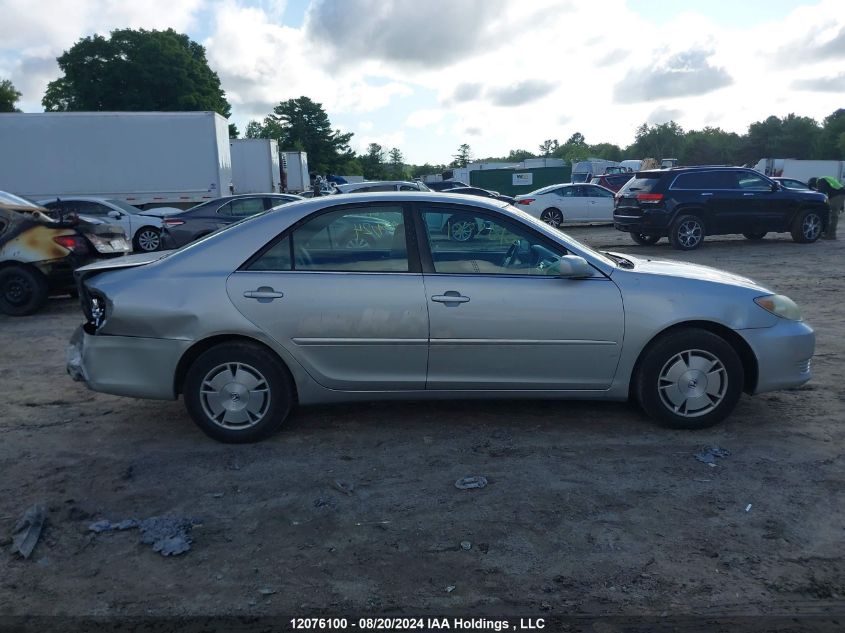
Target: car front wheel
column 147, row 239
column 689, row 379
column 23, row 290
column 238, row 392
column 687, row 233
column 807, row 227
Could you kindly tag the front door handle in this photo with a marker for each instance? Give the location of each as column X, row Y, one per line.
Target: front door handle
column 264, row 294
column 707, row 194
column 450, row 296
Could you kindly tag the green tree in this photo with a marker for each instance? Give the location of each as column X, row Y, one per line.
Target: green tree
column 710, row 146
column 233, row 131
column 664, row 140
column 8, row 96
column 396, row 166
column 830, row 143
column 607, row 151
column 574, row 149
column 136, row 70
column 302, row 124
column 548, row 147
column 463, row 157
column 373, row 163
column 518, row 155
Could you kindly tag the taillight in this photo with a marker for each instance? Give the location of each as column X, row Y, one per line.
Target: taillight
column 173, row 222
column 649, row 197
column 525, row 201
column 70, row 242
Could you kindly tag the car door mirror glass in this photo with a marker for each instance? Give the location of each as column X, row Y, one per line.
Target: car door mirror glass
column 574, row 267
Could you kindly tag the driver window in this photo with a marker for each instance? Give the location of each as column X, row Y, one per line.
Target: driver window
column 463, row 242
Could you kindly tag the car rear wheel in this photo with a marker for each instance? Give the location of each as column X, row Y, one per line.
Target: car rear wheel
column 23, row 290
column 462, row 229
column 755, row 235
column 689, row 379
column 687, row 233
column 807, row 227
column 238, row 392
column 645, row 240
column 147, row 239
column 552, row 217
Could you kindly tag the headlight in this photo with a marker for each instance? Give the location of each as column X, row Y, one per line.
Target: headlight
column 781, row 306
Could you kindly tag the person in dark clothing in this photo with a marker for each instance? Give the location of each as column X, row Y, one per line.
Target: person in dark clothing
column 835, row 193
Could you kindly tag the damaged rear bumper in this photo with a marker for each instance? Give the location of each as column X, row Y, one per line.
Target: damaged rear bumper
column 125, row 365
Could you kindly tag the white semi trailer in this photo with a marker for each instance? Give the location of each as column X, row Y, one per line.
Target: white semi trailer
column 147, row 159
column 255, row 165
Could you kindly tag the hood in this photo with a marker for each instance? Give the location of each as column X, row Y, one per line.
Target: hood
column 686, row 270
column 162, row 212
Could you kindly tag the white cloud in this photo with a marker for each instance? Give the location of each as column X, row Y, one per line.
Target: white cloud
column 424, row 118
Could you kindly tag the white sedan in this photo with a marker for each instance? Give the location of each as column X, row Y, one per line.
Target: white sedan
column 573, row 202
column 144, row 231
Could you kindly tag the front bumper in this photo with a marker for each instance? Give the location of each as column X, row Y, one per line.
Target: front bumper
column 784, row 353
column 125, row 365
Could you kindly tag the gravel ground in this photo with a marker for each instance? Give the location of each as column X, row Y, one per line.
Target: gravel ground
column 590, row 507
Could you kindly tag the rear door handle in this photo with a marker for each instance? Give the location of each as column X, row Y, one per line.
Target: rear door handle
column 748, row 194
column 706, row 194
column 450, row 296
column 264, row 294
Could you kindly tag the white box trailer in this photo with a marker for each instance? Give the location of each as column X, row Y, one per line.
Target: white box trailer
column 801, row 169
column 147, row 159
column 583, row 171
column 295, row 167
column 255, row 165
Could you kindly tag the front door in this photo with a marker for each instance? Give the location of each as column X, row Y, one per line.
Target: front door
column 501, row 318
column 341, row 294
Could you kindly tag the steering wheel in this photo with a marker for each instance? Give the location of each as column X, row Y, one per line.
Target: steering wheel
column 510, row 256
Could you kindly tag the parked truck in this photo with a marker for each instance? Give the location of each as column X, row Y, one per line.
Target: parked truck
column 584, row 170
column 255, row 165
column 296, row 178
column 147, row 159
column 801, row 169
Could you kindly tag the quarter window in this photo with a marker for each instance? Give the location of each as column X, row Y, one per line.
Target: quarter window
column 466, row 243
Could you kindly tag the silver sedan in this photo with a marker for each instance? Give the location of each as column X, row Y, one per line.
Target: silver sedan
column 365, row 297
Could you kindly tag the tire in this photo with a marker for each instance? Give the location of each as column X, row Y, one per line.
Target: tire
column 553, row 217
column 23, row 290
column 462, row 229
column 689, row 379
column 687, row 233
column 229, row 372
column 147, row 239
column 755, row 236
column 645, row 240
column 807, row 227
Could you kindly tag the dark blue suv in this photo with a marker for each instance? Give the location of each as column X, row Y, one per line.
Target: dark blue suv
column 687, row 203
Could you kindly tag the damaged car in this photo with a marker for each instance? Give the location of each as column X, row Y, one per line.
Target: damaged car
column 273, row 312
column 39, row 254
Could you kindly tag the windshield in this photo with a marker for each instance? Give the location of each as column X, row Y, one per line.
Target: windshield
column 580, row 177
column 124, row 206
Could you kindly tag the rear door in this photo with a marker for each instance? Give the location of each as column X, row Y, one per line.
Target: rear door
column 344, row 295
column 600, row 208
column 572, row 201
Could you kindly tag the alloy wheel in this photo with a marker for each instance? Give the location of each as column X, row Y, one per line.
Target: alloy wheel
column 149, row 240
column 462, row 230
column 689, row 233
column 552, row 217
column 811, row 227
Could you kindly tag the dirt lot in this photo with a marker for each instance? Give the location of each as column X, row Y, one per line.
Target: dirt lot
column 590, row 508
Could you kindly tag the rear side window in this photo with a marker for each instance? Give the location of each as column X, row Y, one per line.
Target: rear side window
column 641, row 184
column 705, row 180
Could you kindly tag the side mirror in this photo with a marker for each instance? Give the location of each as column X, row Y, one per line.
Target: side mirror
column 115, row 214
column 574, row 267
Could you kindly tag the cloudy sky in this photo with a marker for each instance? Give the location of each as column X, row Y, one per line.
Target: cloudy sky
column 426, row 76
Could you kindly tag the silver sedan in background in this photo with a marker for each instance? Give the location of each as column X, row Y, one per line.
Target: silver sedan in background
column 365, row 297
